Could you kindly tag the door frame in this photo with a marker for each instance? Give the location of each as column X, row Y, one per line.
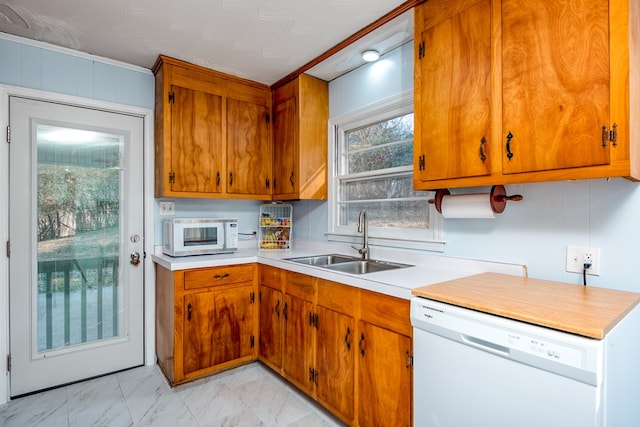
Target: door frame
column 149, row 214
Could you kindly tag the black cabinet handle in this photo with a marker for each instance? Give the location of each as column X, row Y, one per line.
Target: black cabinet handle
column 361, row 344
column 347, row 338
column 291, row 180
column 277, row 308
column 217, row 178
column 268, row 184
column 285, row 310
column 189, row 311
column 509, row 138
column 483, row 155
column 230, row 178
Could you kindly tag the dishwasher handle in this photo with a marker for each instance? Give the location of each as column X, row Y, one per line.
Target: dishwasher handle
column 486, row 345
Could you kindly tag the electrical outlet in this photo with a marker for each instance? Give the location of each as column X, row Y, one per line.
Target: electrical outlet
column 167, row 208
column 577, row 256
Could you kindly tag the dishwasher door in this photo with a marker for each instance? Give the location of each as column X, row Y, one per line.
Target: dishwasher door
column 474, row 369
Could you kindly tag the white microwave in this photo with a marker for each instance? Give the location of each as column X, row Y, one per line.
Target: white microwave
column 199, row 236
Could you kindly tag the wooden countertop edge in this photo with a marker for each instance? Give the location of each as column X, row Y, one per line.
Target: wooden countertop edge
column 538, row 302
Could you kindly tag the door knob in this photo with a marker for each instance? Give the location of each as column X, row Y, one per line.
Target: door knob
column 134, row 259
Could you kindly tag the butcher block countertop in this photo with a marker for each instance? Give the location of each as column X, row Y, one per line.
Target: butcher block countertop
column 582, row 310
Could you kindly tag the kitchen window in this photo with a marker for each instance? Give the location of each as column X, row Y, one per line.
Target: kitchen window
column 373, row 170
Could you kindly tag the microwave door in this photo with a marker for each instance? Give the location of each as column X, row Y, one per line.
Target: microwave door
column 201, row 236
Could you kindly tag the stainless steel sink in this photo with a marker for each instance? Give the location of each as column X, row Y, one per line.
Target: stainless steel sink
column 323, row 260
column 364, row 267
column 348, row 264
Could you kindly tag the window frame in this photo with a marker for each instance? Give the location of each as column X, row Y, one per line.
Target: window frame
column 410, row 238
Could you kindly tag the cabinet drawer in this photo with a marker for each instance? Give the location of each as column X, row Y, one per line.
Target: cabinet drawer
column 386, row 311
column 300, row 285
column 206, row 277
column 271, row 277
column 338, row 297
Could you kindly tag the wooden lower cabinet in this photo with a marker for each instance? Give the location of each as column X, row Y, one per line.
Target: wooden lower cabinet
column 206, row 320
column 384, row 377
column 348, row 348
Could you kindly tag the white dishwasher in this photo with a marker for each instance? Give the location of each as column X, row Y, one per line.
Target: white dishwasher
column 477, row 369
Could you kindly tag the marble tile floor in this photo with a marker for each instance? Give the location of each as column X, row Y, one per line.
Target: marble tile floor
column 247, row 396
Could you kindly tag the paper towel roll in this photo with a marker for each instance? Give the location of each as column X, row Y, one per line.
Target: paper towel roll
column 467, row 206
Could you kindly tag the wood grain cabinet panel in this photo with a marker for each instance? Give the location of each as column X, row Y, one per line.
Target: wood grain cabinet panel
column 514, row 92
column 301, row 113
column 204, row 328
column 271, row 324
column 213, row 135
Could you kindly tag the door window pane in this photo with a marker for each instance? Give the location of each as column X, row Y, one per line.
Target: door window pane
column 78, row 232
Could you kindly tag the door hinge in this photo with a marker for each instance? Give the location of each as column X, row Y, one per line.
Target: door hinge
column 252, row 297
column 253, row 341
column 8, row 363
column 8, row 134
column 172, row 98
column 172, row 177
column 8, row 249
column 421, row 51
column 313, row 319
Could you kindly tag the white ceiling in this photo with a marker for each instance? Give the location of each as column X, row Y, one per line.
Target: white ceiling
column 261, row 40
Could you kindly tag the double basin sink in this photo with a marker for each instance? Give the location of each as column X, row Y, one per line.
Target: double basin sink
column 348, row 264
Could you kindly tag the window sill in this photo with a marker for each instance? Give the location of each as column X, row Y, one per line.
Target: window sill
column 422, row 245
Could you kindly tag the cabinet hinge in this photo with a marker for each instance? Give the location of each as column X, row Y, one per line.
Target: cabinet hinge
column 252, row 297
column 313, row 376
column 8, row 362
column 8, row 134
column 421, row 163
column 421, row 51
column 253, row 341
column 8, row 249
column 313, row 320
column 172, row 98
column 172, row 177
column 409, row 360
column 613, row 135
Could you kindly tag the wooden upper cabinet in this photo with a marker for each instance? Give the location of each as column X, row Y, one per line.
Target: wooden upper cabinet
column 197, row 143
column 563, row 83
column 453, row 90
column 212, row 133
column 555, row 84
column 301, row 112
column 249, row 148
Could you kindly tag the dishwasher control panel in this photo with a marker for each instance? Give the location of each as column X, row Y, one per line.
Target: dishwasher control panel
column 539, row 346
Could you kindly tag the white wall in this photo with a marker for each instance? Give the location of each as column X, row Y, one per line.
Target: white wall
column 535, row 232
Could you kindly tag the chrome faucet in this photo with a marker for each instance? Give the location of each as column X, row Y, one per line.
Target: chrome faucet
column 362, row 228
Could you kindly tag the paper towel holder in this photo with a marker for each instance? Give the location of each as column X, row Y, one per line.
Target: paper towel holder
column 497, row 198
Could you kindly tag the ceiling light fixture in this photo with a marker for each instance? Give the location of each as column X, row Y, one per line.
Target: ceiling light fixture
column 370, row 55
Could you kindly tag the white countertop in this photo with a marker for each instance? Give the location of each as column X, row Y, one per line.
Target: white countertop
column 427, row 269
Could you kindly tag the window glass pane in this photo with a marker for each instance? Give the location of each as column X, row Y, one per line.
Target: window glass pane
column 386, row 187
column 381, row 157
column 388, row 213
column 382, row 145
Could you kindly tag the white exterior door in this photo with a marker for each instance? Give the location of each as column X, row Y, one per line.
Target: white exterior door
column 75, row 222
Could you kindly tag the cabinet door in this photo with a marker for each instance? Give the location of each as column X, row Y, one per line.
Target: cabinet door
column 198, row 331
column 385, row 375
column 271, row 306
column 248, row 148
column 298, row 342
column 452, row 89
column 555, row 61
column 285, row 147
column 335, row 361
column 233, row 330
column 197, row 149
